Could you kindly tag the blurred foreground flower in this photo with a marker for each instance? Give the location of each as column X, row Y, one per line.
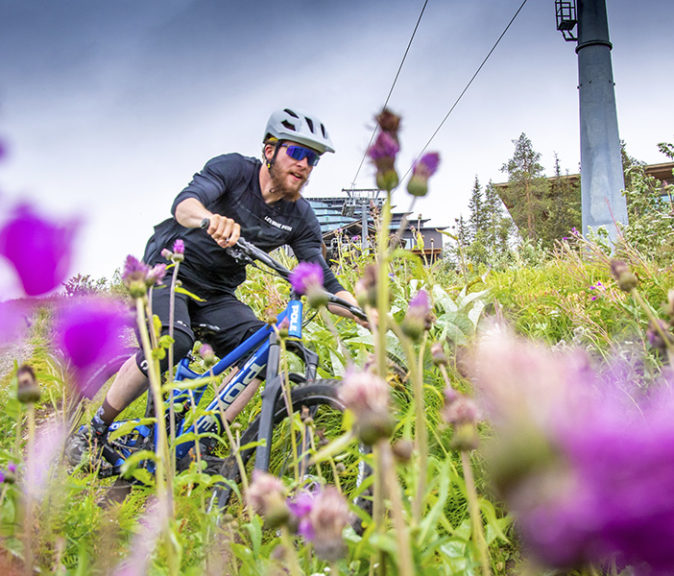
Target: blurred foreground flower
column 42, row 458
column 89, row 332
column 307, row 278
column 422, row 170
column 367, row 396
column 267, row 497
column 153, row 522
column 583, row 463
column 13, row 321
column 39, row 249
column 419, row 316
column 322, row 518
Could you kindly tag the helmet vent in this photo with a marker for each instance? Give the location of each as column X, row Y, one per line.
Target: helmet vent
column 324, row 131
column 310, row 123
column 290, row 112
column 289, row 126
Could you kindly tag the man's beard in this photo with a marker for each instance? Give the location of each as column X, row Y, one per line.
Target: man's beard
column 281, row 190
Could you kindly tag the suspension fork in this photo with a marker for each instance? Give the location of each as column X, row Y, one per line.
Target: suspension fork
column 272, row 391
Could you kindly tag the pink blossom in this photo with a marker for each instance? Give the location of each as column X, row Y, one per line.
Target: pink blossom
column 305, row 276
column 89, row 332
column 39, row 249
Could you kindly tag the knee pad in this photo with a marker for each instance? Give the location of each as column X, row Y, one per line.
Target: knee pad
column 182, row 344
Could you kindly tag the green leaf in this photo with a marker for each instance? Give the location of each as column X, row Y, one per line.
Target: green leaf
column 130, row 426
column 181, row 290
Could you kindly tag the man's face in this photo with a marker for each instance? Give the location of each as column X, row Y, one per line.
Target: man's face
column 288, row 174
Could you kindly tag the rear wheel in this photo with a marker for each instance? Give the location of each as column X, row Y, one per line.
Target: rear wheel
column 317, row 418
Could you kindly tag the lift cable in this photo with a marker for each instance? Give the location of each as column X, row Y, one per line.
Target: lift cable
column 395, row 80
column 467, row 86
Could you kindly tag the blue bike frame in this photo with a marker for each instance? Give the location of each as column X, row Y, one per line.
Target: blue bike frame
column 261, row 342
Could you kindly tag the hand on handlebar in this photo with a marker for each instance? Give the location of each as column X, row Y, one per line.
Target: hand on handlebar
column 223, row 230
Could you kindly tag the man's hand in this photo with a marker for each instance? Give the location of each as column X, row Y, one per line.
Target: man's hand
column 223, row 230
column 191, row 213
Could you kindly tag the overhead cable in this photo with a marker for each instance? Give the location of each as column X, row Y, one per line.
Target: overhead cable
column 395, row 80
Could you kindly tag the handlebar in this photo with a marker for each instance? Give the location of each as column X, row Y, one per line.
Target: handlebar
column 252, row 252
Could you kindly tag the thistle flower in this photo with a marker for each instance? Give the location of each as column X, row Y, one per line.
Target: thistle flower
column 626, row 279
column 582, row 462
column 88, row 331
column 179, row 246
column 39, row 249
column 438, row 354
column 207, row 354
column 267, row 497
column 422, row 170
column 307, row 278
column 388, row 122
column 419, row 316
column 367, row 396
column 138, row 276
column 654, row 336
column 462, row 413
column 383, row 154
column 27, row 387
column 328, row 517
column 8, row 476
column 366, row 287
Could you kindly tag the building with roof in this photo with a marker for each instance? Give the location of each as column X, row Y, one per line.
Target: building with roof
column 341, row 221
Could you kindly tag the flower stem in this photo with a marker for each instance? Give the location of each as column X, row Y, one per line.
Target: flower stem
column 474, row 510
column 405, row 565
column 163, row 481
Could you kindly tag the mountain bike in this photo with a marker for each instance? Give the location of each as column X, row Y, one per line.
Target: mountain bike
column 289, row 427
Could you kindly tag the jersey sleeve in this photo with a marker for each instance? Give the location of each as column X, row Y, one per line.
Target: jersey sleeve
column 308, row 247
column 214, row 180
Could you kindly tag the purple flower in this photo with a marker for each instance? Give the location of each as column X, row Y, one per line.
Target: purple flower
column 419, row 316
column 39, row 249
column 367, row 396
column 385, row 148
column 328, row 517
column 138, row 276
column 383, row 154
column 427, row 165
column 89, row 332
column 179, row 246
column 423, row 169
column 582, row 458
column 267, row 496
column 305, row 276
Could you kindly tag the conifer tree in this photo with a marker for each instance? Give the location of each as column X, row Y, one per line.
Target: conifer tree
column 525, row 192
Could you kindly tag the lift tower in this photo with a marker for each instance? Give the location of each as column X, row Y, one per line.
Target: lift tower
column 601, row 171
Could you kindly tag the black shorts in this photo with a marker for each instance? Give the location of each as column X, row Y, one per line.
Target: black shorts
column 233, row 321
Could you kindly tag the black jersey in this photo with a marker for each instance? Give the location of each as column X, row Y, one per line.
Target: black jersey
column 229, row 185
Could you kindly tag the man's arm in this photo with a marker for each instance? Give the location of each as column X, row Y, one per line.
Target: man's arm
column 190, row 213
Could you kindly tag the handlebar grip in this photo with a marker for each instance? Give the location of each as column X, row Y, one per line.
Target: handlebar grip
column 205, row 223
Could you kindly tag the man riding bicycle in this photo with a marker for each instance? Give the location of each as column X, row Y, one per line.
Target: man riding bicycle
column 240, row 196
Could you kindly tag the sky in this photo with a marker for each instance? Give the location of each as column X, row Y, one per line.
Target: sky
column 107, row 109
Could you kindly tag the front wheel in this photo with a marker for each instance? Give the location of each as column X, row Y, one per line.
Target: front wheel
column 317, row 418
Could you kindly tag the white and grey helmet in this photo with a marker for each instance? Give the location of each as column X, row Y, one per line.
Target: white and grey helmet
column 291, row 124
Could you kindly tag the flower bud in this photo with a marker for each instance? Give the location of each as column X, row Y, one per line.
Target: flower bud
column 626, row 279
column 403, row 450
column 373, row 426
column 438, row 354
column 28, row 390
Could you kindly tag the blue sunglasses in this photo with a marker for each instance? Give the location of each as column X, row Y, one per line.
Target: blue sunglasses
column 299, row 153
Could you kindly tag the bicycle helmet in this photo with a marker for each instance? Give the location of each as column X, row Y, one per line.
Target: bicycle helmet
column 290, row 124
